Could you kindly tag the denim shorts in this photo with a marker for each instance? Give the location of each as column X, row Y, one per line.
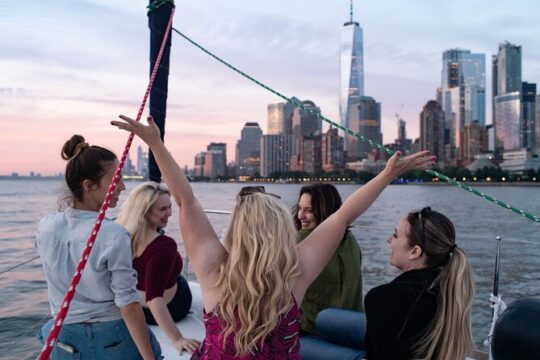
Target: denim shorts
column 101, row 340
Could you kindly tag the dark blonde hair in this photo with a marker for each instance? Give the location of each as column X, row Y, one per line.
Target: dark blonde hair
column 449, row 335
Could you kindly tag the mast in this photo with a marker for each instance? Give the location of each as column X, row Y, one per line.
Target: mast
column 157, row 22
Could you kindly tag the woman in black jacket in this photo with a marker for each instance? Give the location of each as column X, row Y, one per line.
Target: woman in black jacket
column 425, row 312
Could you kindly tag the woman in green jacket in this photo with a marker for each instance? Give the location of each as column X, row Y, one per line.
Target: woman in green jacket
column 340, row 283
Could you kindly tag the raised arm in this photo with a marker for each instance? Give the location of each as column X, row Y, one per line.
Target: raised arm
column 203, row 248
column 317, row 249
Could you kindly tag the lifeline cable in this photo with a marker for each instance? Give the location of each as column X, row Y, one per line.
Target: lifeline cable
column 361, row 137
column 62, row 312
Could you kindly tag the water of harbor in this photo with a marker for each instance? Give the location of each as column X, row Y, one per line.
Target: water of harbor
column 23, row 292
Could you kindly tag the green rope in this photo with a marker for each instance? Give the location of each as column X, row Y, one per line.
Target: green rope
column 362, row 137
column 157, row 4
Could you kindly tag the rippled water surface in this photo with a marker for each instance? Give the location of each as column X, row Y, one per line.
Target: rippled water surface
column 23, row 299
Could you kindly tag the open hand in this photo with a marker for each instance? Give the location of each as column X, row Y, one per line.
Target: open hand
column 148, row 133
column 421, row 160
column 184, row 344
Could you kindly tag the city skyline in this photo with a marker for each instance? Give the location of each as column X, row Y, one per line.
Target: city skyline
column 71, row 67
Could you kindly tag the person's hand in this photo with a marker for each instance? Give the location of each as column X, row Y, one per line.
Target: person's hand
column 184, row 344
column 397, row 165
column 148, row 133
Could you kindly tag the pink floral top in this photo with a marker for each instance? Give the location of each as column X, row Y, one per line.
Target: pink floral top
column 281, row 344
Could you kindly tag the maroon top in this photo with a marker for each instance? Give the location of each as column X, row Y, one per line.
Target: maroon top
column 158, row 267
column 280, row 344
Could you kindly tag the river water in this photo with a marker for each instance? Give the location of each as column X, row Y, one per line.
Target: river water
column 23, row 292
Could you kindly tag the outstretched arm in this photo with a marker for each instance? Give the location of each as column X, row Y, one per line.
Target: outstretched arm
column 317, row 249
column 203, row 248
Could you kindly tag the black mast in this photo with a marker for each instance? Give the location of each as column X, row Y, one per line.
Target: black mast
column 158, row 18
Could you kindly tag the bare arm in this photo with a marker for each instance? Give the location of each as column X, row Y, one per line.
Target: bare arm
column 317, row 249
column 158, row 307
column 134, row 318
column 203, row 248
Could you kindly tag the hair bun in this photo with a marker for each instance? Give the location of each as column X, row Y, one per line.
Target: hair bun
column 73, row 147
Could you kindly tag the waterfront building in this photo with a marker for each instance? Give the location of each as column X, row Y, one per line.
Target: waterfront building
column 305, row 124
column 519, row 161
column 248, row 149
column 463, row 92
column 351, row 68
column 332, row 151
column 475, row 142
column 311, row 154
column 280, row 118
column 507, row 119
column 527, row 116
column 198, row 169
column 365, row 119
column 432, row 130
column 276, row 152
column 215, row 161
column 537, row 125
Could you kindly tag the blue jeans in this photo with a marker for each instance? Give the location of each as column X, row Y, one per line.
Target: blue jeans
column 341, row 336
column 101, row 340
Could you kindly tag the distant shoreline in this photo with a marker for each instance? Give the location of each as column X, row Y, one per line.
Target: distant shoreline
column 425, row 183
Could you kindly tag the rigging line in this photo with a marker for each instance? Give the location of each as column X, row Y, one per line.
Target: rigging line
column 70, row 292
column 361, row 137
column 16, row 266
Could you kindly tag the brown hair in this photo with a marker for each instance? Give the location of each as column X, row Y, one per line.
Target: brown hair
column 325, row 201
column 84, row 162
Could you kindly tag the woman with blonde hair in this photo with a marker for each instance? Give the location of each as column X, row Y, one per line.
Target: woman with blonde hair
column 424, row 313
column 166, row 294
column 253, row 283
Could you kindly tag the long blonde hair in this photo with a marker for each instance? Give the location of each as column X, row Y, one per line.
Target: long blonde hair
column 133, row 212
column 256, row 280
column 449, row 336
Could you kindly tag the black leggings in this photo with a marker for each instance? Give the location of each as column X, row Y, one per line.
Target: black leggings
column 179, row 305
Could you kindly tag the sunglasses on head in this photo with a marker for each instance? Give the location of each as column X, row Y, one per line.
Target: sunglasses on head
column 248, row 190
column 421, row 218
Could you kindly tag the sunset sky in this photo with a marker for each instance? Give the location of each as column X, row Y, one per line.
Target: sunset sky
column 71, row 66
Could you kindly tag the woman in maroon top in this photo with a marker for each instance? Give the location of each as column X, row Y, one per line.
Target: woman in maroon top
column 166, row 294
column 252, row 283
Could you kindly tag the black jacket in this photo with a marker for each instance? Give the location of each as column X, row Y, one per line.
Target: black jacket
column 398, row 314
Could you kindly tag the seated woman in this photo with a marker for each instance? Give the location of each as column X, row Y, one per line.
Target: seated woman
column 105, row 318
column 167, row 298
column 339, row 285
column 426, row 311
column 253, row 283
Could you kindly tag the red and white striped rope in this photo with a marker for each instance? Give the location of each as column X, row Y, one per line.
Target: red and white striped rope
column 62, row 312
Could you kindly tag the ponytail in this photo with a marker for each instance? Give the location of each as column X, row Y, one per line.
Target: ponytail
column 449, row 336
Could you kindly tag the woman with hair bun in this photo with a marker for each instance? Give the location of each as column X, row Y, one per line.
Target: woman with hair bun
column 424, row 313
column 105, row 319
column 253, row 283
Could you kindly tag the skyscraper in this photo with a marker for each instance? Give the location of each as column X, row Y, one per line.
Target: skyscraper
column 215, row 162
column 365, row 119
column 432, row 130
column 463, row 91
column 280, row 118
column 351, row 67
column 275, row 153
column 248, row 149
column 508, row 69
column 332, row 151
column 527, row 118
column 537, row 126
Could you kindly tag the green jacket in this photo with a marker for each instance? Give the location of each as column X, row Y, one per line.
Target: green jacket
column 339, row 285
